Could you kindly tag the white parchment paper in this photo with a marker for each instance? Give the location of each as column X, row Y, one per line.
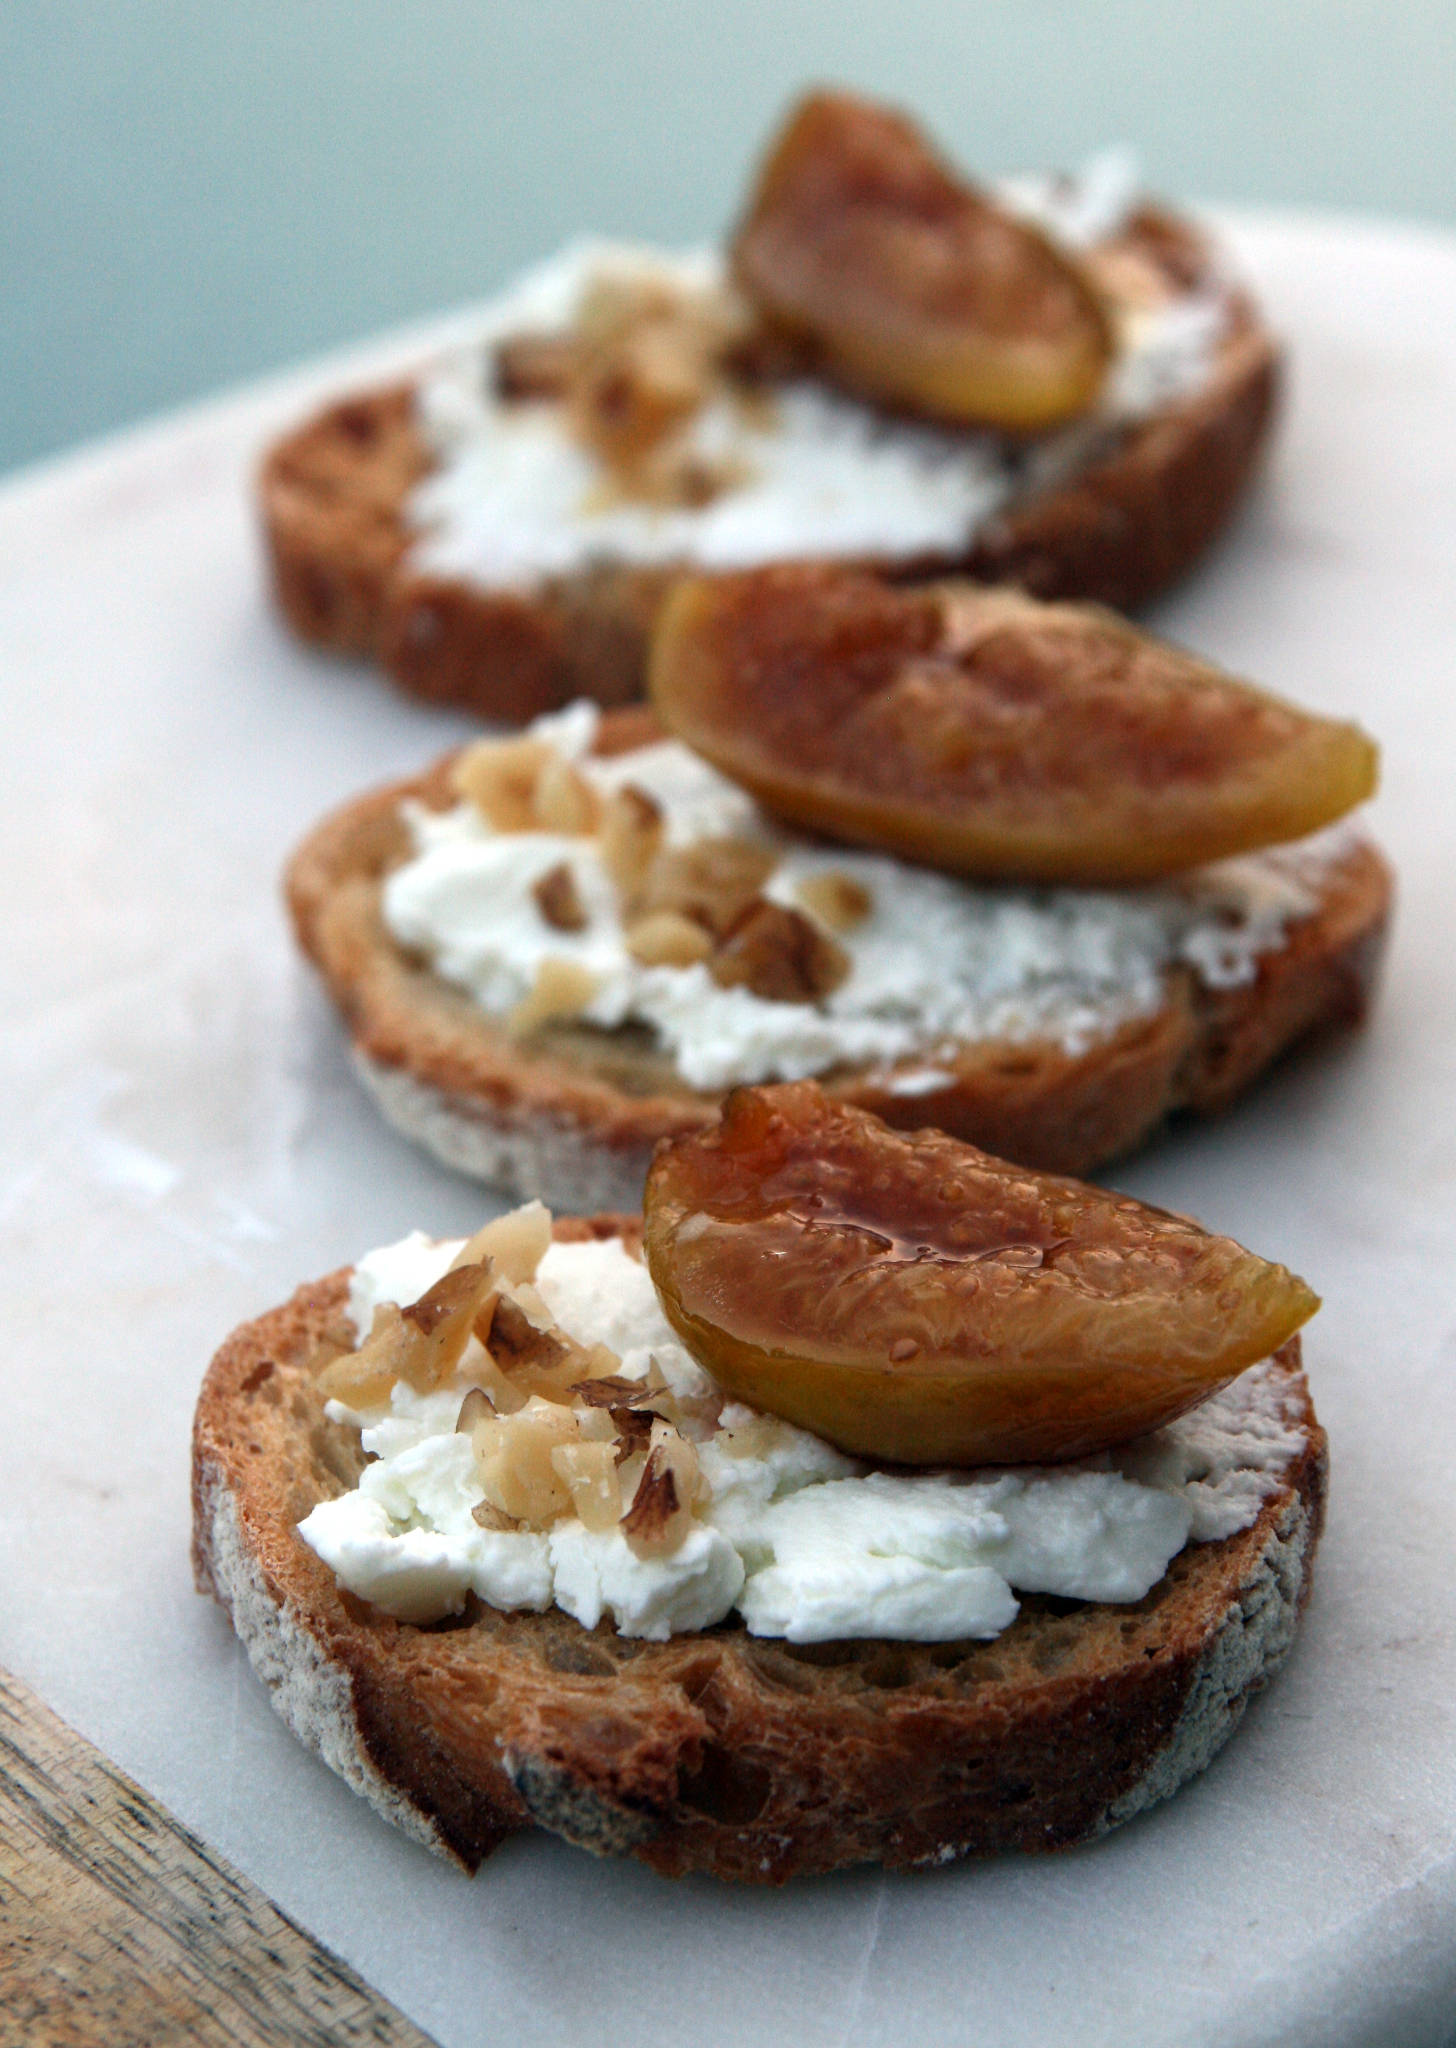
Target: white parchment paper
column 183, row 1142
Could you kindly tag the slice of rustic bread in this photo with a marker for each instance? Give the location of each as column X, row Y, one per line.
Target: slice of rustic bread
column 572, row 1113
column 721, row 1752
column 1119, row 528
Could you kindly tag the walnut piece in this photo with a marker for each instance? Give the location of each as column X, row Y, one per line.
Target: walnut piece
column 713, row 881
column 559, row 900
column 476, row 1407
column 780, row 955
column 649, row 356
column 629, row 837
column 634, row 1430
column 516, row 1243
column 665, row 938
column 612, row 1390
column 646, row 355
column 513, row 1461
column 837, row 901
column 363, row 1378
column 563, row 800
column 461, row 1304
column 590, row 1473
column 499, row 777
column 561, row 990
column 421, row 1344
column 518, row 1346
column 662, row 1507
column 534, row 366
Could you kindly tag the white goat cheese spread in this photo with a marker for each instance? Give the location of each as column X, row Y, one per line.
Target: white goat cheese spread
column 513, row 498
column 805, row 1543
column 937, row 961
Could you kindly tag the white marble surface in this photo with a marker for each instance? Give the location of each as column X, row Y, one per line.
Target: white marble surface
column 182, row 1142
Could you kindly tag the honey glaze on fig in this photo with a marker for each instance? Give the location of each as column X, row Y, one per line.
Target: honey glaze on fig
column 912, row 1299
column 987, row 733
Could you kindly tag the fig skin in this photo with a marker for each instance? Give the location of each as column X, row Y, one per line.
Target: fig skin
column 911, row 1299
column 907, row 284
column 984, row 732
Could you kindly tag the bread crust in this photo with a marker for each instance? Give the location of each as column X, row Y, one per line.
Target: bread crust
column 574, row 1113
column 719, row 1752
column 1124, row 528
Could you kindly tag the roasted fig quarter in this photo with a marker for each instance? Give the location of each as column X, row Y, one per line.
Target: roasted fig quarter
column 984, row 732
column 912, row 1299
column 909, row 285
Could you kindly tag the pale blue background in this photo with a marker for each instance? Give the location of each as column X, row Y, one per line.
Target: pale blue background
column 192, row 192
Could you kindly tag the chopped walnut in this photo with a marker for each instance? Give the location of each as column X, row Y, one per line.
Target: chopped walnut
column 461, row 1304
column 559, row 900
column 513, row 1461
column 505, row 1395
column 630, row 836
column 837, row 900
column 563, row 800
column 594, row 1426
column 534, row 366
column 646, row 355
column 713, row 881
column 665, row 938
column 516, row 1242
column 590, row 1473
column 662, row 1507
column 612, row 1390
column 655, row 1507
column 561, row 990
column 634, row 1430
column 517, row 1345
column 640, row 373
column 649, row 356
column 541, row 1360
column 780, row 955
column 363, row 1378
column 672, row 477
column 547, row 1460
column 753, row 1438
column 421, row 1344
column 499, row 777
column 324, row 1353
column 528, row 1296
column 476, row 1407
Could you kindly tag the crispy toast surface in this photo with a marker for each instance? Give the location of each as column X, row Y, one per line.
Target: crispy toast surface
column 573, row 1112
column 1119, row 529
column 720, row 1752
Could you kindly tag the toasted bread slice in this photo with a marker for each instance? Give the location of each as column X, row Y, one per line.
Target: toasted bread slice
column 1119, row 525
column 573, row 1112
column 721, row 1752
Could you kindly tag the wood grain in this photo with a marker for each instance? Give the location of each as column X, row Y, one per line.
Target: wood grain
column 118, row 1926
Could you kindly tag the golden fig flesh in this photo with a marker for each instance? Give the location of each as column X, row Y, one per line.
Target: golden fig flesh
column 910, row 286
column 983, row 732
column 910, row 1298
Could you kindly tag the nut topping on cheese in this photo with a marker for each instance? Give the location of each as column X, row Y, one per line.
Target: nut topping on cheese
column 677, row 905
column 678, row 855
column 553, row 1426
column 578, row 1455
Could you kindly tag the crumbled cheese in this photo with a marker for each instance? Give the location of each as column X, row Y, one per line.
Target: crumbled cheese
column 513, row 497
column 936, row 961
column 806, row 1543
